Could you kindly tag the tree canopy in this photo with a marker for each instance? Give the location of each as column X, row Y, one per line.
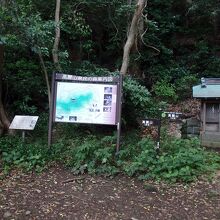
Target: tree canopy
column 176, row 43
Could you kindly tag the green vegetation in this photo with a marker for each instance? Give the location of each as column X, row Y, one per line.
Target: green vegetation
column 180, row 45
column 179, row 160
column 177, row 43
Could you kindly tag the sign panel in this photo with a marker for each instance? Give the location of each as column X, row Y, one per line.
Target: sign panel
column 106, row 79
column 79, row 102
column 171, row 115
column 24, row 122
column 150, row 122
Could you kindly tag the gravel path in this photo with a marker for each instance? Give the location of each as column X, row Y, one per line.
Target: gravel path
column 58, row 194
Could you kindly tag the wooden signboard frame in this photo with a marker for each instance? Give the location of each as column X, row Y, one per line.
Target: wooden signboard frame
column 63, row 81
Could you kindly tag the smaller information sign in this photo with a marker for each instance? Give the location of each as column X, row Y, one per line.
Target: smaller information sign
column 171, row 115
column 24, row 122
column 150, row 122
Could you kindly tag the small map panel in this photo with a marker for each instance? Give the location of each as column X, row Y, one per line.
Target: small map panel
column 86, row 103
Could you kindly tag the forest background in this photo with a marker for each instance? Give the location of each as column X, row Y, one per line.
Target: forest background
column 174, row 44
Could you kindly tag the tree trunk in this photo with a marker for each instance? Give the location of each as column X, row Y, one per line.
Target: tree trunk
column 4, row 122
column 57, row 37
column 45, row 75
column 3, row 3
column 133, row 32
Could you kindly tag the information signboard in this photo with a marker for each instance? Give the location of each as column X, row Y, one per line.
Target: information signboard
column 89, row 100
column 85, row 103
column 23, row 122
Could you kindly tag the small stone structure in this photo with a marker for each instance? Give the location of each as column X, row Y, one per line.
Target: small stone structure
column 209, row 94
column 192, row 127
column 175, row 129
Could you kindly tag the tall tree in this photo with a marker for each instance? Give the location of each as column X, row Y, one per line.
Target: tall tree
column 4, row 122
column 132, row 34
column 57, row 36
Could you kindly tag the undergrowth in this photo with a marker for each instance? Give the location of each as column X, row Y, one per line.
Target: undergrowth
column 179, row 160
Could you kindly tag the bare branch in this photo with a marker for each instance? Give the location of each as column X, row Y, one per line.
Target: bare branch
column 142, row 35
column 57, row 36
column 45, row 75
column 4, row 122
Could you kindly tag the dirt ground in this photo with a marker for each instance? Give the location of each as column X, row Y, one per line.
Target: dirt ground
column 58, row 194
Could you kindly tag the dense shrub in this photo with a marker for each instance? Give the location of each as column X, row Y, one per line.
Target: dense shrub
column 165, row 91
column 27, row 156
column 136, row 98
column 179, row 160
column 184, row 86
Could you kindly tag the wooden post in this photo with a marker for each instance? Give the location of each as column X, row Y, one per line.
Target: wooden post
column 23, row 136
column 219, row 117
column 204, row 116
column 51, row 117
column 119, row 106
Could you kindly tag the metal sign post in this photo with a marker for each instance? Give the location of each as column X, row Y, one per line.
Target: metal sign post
column 50, row 125
column 86, row 100
column 158, row 136
column 23, row 135
column 153, row 122
column 119, row 112
column 172, row 116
